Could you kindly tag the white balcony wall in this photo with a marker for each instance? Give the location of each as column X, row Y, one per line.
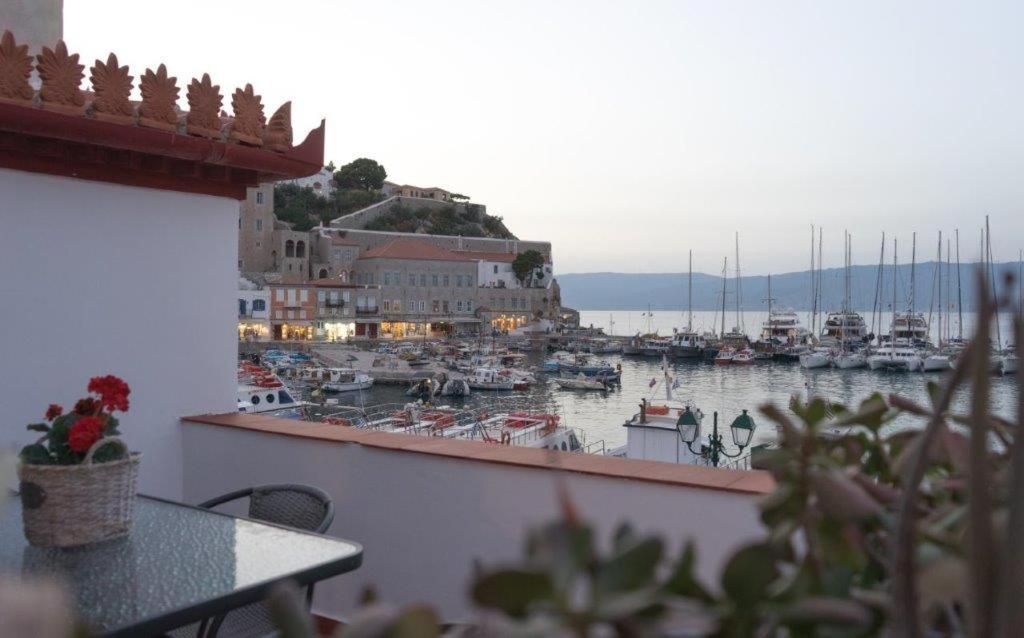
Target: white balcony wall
column 424, row 518
column 107, row 279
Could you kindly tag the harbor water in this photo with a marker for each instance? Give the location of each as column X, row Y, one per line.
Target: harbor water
column 599, row 416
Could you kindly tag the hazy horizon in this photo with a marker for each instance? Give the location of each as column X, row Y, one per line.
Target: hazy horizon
column 626, row 133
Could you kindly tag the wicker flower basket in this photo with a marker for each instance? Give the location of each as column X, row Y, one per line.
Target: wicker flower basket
column 70, row 505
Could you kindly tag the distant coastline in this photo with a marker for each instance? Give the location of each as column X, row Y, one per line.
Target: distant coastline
column 668, row 291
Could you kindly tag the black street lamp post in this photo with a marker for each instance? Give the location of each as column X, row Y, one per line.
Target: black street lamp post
column 689, row 431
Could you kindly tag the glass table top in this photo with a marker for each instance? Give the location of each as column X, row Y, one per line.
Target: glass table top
column 176, row 558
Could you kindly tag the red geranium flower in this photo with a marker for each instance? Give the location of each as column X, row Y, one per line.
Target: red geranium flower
column 84, row 433
column 85, row 407
column 53, row 412
column 113, row 392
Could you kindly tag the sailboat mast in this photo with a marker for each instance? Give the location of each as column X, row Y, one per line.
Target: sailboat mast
column 959, row 300
column 725, row 266
column 739, row 319
column 992, row 279
column 913, row 265
column 938, row 265
column 818, row 301
column 814, row 292
column 875, row 307
column 689, row 297
column 892, row 328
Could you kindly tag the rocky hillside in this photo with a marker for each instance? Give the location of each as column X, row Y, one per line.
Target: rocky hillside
column 467, row 220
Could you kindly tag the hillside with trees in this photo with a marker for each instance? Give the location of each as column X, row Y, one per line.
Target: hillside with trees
column 358, row 184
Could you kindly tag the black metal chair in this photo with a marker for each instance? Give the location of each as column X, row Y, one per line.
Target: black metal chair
column 300, row 506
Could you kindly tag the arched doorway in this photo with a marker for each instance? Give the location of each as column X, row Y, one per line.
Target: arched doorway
column 323, row 273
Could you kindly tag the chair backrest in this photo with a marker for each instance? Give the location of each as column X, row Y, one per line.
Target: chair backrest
column 300, row 506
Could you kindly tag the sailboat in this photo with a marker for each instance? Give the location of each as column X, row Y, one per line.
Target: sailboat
column 846, row 328
column 896, row 352
column 933, row 360
column 687, row 344
column 819, row 357
column 735, row 339
column 725, row 353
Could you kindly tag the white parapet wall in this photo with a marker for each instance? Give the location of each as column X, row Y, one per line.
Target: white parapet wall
column 425, row 515
column 107, row 279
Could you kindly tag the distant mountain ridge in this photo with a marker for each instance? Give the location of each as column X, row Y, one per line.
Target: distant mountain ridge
column 668, row 291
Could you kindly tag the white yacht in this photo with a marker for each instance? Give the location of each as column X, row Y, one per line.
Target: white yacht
column 817, row 358
column 844, row 326
column 895, row 357
column 850, row 360
column 783, row 328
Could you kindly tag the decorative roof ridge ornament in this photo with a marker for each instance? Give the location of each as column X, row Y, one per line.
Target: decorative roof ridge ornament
column 61, row 77
column 159, row 107
column 15, row 69
column 247, row 125
column 278, row 134
column 204, row 104
column 112, row 85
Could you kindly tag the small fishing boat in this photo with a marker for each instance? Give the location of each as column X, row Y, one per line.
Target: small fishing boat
column 746, row 356
column 725, row 356
column 490, row 379
column 581, row 382
column 346, row 380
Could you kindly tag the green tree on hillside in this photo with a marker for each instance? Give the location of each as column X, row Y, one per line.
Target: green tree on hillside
column 525, row 264
column 363, row 173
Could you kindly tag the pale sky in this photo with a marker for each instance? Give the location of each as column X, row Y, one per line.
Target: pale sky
column 628, row 132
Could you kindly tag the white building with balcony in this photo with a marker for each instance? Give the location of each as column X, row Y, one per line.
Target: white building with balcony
column 253, row 314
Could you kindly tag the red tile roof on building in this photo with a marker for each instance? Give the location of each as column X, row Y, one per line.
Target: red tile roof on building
column 102, row 134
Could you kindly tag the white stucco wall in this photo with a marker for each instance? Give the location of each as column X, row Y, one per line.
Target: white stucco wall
column 98, row 278
column 424, row 519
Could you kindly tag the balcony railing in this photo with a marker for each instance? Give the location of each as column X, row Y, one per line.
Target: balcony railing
column 360, row 311
column 466, row 478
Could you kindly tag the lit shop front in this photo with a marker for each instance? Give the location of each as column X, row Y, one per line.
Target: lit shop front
column 335, row 330
column 509, row 322
column 293, row 331
column 403, row 329
column 253, row 331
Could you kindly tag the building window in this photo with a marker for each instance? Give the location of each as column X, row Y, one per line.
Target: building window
column 259, row 197
column 412, row 279
column 447, row 282
column 423, row 280
column 469, row 305
column 259, row 224
column 300, row 249
column 436, row 306
column 495, row 269
column 445, row 309
column 458, row 305
column 289, row 248
column 433, row 280
column 323, row 273
column 321, row 295
column 387, row 278
column 258, row 305
column 397, row 305
column 387, row 305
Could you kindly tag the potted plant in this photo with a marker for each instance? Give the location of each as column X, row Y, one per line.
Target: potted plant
column 78, row 480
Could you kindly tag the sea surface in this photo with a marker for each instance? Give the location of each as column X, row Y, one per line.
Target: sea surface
column 725, row 389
